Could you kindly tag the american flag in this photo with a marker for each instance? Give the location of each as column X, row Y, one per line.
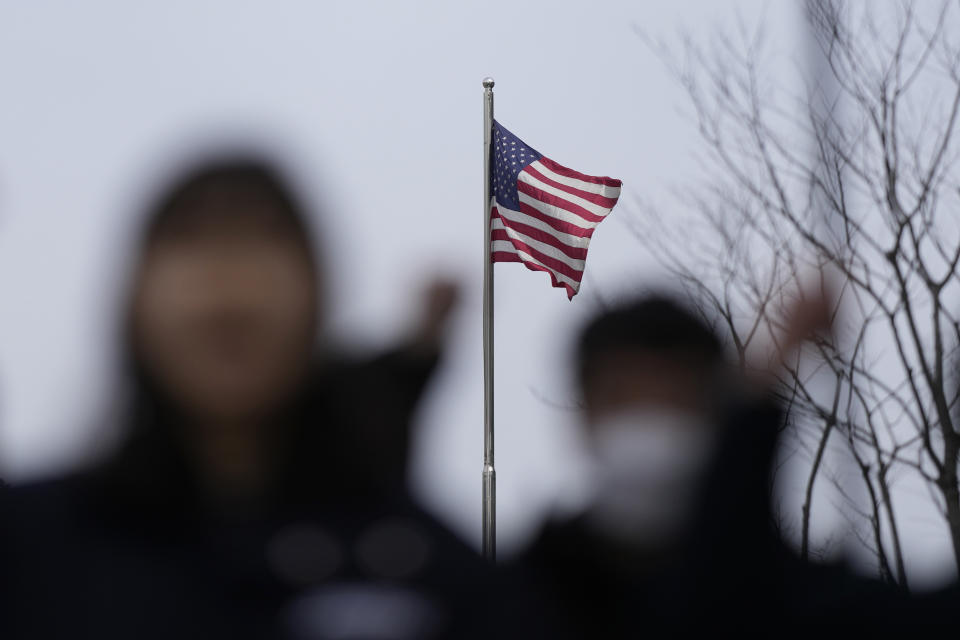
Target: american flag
column 543, row 214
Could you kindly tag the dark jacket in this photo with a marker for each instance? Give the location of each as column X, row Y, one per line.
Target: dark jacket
column 127, row 550
column 731, row 572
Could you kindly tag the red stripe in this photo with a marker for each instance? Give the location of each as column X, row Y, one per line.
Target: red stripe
column 506, row 256
column 553, row 263
column 503, row 256
column 557, row 201
column 559, row 225
column 577, row 253
column 570, row 173
column 586, row 195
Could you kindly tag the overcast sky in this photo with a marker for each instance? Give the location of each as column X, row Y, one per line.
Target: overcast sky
column 378, row 106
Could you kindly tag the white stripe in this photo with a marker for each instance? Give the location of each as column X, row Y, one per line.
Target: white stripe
column 542, row 247
column 566, row 238
column 589, row 187
column 505, row 247
column 560, row 193
column 556, row 212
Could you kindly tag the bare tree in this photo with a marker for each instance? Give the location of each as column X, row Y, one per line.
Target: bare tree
column 854, row 173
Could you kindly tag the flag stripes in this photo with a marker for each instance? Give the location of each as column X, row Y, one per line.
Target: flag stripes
column 543, row 214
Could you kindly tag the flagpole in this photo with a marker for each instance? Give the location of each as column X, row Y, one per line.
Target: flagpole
column 489, row 475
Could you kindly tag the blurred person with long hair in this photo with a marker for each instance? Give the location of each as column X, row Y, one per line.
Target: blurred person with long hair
column 259, row 491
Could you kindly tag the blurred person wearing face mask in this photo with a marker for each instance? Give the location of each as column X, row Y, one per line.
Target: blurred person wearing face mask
column 646, row 371
column 679, row 536
column 260, row 489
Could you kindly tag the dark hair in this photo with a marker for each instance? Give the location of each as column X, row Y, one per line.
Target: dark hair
column 151, row 468
column 342, row 437
column 651, row 324
column 226, row 188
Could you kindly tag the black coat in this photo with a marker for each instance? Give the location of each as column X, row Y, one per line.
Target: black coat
column 127, row 550
column 730, row 573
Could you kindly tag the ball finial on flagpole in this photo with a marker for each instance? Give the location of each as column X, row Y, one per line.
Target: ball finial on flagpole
column 488, row 83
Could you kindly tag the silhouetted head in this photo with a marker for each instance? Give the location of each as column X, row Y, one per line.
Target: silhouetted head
column 224, row 303
column 651, row 352
column 647, row 371
column 220, row 342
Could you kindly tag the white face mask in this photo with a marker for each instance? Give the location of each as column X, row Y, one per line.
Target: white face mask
column 648, row 467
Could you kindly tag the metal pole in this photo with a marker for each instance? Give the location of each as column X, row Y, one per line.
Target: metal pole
column 489, row 475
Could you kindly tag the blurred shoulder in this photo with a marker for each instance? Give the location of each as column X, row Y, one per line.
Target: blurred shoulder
column 49, row 499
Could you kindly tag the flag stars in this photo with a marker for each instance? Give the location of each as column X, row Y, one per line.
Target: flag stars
column 510, row 157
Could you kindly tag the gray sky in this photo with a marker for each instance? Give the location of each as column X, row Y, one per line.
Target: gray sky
column 379, row 106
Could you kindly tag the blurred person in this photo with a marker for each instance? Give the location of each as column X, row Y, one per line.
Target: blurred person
column 644, row 370
column 679, row 535
column 260, row 489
